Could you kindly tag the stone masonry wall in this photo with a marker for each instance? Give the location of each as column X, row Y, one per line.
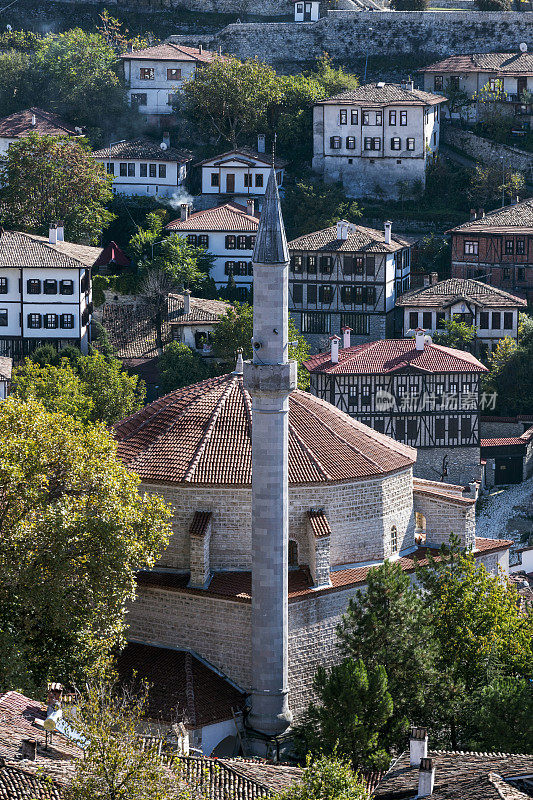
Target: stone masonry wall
column 349, row 34
column 463, row 464
column 444, row 518
column 485, row 150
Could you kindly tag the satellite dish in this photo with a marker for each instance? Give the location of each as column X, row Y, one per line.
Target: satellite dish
column 163, row 146
column 523, row 47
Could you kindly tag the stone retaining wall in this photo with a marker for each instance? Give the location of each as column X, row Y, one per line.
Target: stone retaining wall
column 486, row 151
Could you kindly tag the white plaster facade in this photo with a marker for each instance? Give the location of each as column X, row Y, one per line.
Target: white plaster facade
column 239, row 175
column 491, row 324
column 143, row 176
column 371, row 139
column 306, row 10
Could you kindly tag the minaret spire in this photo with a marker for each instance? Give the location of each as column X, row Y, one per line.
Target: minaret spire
column 270, row 378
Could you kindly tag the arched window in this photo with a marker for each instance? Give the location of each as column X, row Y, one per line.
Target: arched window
column 394, row 539
column 293, row 553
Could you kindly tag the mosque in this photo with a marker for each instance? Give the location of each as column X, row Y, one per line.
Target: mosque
column 259, row 571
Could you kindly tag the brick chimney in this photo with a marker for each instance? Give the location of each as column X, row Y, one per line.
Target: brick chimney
column 387, row 226
column 418, row 746
column 52, row 233
column 250, row 206
column 346, row 331
column 335, row 348
column 426, row 778
column 419, row 338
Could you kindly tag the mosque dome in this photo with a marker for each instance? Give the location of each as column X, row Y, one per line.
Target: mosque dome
column 201, row 434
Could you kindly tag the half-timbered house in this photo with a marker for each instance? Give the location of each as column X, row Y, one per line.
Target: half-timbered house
column 497, row 248
column 492, row 312
column 347, row 275
column 419, row 393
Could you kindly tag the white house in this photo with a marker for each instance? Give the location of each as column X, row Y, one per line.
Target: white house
column 45, row 292
column 193, row 319
column 240, row 174
column 33, row 120
column 493, row 312
column 143, row 167
column 228, row 232
column 306, row 10
column 155, row 74
column 373, row 137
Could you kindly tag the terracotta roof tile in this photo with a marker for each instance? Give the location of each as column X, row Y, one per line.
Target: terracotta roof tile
column 202, row 434
column 390, row 355
column 46, row 124
column 319, row 522
column 168, row 51
column 385, row 94
column 502, row 441
column 17, row 715
column 361, row 239
column 452, row 290
column 229, row 217
column 275, row 777
column 515, row 219
column 247, row 153
column 494, row 63
column 142, row 148
column 199, row 523
column 202, row 310
column 182, row 688
column 18, row 782
column 28, row 250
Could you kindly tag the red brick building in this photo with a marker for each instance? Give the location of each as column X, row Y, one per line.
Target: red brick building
column 497, row 248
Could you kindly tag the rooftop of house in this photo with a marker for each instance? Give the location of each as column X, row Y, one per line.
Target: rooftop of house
column 359, row 239
column 453, row 290
column 245, row 154
column 21, row 123
column 182, row 687
column 227, row 218
column 517, row 218
column 6, row 366
column 168, row 51
column 384, row 94
column 505, row 63
column 387, row 356
column 143, row 149
column 19, row 249
column 469, row 776
column 201, row 434
column 112, row 254
column 27, row 782
column 275, row 777
column 201, row 310
column 238, row 585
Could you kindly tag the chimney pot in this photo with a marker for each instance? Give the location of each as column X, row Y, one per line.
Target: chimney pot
column 186, row 302
column 250, row 206
column 418, row 746
column 61, row 231
column 33, row 120
column 52, row 233
column 481, row 213
column 419, row 338
column 346, row 335
column 239, row 366
column 166, row 138
column 472, row 213
column 200, row 48
column 28, row 749
column 342, row 229
column 426, row 778
column 184, row 212
column 426, row 280
column 335, row 349
column 388, row 226
column 434, row 278
column 261, row 142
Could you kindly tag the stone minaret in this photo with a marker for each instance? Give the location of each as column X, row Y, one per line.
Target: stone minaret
column 270, row 377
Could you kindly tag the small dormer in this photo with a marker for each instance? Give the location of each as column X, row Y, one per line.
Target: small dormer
column 306, row 10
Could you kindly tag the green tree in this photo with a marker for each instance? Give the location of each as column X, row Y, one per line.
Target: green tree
column 17, row 88
column 333, row 80
column 75, row 530
column 499, row 717
column 235, row 330
column 353, row 709
column 117, row 763
column 181, row 366
column 51, row 178
column 479, row 629
column 510, row 375
column 327, row 778
column 92, row 388
column 455, row 334
column 457, row 98
column 433, row 253
column 229, row 99
column 83, row 78
column 492, row 115
column 313, row 205
column 487, row 182
column 388, row 624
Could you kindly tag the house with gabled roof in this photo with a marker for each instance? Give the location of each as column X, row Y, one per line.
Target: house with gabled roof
column 417, row 392
column 240, row 174
column 497, row 248
column 228, row 232
column 34, row 120
column 493, row 312
column 155, row 74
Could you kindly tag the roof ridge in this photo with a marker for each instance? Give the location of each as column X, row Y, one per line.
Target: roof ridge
column 209, row 429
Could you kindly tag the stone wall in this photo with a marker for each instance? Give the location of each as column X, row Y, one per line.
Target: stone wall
column 346, row 35
column 485, row 150
column 463, row 464
column 444, row 518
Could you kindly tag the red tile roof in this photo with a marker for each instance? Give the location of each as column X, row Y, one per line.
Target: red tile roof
column 502, row 442
column 202, row 434
column 384, row 94
column 360, row 239
column 199, row 523
column 319, row 522
column 17, row 715
column 229, row 217
column 391, row 355
column 452, row 290
column 237, row 586
column 46, row 124
column 112, row 254
column 167, row 51
column 182, row 688
column 515, row 219
column 494, row 63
